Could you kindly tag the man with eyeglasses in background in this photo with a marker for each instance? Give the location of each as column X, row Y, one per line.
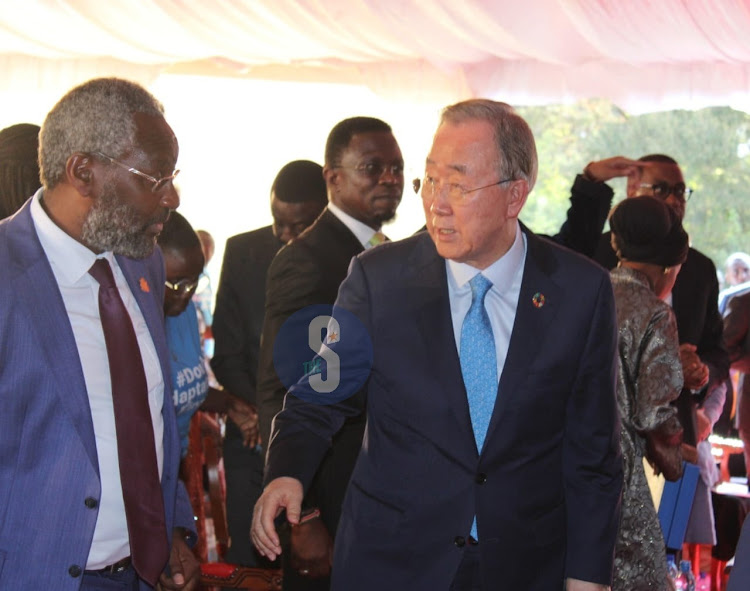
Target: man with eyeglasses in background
column 89, row 450
column 364, row 175
column 694, row 299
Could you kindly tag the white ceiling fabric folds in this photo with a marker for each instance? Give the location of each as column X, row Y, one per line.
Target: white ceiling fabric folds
column 666, row 53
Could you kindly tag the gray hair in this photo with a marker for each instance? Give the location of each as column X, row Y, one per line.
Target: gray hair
column 515, row 141
column 95, row 116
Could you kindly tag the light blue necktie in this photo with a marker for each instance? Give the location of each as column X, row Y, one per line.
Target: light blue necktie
column 479, row 364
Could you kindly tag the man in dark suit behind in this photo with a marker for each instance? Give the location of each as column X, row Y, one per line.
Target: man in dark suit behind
column 695, row 294
column 364, row 173
column 465, row 481
column 298, row 195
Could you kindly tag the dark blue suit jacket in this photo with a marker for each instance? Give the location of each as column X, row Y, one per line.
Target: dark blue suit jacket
column 546, row 487
column 48, row 459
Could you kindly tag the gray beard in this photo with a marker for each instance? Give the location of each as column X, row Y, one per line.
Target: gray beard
column 115, row 226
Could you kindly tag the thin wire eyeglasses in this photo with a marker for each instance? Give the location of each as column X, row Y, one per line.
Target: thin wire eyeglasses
column 456, row 193
column 183, row 286
column 375, row 169
column 158, row 184
column 663, row 190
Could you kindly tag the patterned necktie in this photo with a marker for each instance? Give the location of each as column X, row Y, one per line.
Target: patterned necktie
column 479, row 364
column 377, row 238
column 139, row 473
column 479, row 360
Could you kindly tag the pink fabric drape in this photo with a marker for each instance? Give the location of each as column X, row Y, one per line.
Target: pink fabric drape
column 666, row 53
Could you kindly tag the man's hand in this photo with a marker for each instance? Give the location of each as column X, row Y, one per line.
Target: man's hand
column 183, row 568
column 576, row 585
column 245, row 416
column 311, row 549
column 694, row 371
column 617, row 166
column 281, row 493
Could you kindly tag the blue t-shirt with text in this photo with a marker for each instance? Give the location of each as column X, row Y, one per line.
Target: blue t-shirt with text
column 189, row 377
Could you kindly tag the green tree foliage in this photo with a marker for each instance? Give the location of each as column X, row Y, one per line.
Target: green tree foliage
column 712, row 146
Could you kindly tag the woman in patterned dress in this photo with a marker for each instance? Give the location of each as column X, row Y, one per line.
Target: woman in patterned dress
column 651, row 246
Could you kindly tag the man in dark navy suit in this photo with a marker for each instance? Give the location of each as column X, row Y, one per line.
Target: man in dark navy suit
column 491, row 454
column 364, row 175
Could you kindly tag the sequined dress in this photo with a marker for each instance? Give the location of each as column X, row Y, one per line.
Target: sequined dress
column 650, row 376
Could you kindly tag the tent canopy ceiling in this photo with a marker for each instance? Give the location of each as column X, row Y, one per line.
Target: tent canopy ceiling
column 670, row 53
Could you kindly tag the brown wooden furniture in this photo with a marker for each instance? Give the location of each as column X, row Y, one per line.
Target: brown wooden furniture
column 215, row 575
column 203, row 465
column 203, row 472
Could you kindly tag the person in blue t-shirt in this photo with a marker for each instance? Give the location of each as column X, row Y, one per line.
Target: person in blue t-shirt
column 184, row 260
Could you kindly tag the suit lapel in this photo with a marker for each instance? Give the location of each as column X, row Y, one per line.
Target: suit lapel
column 431, row 305
column 537, row 307
column 339, row 234
column 146, row 287
column 142, row 285
column 149, row 297
column 46, row 311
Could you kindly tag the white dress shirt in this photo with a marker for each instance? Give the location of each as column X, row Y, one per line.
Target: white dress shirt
column 363, row 232
column 70, row 261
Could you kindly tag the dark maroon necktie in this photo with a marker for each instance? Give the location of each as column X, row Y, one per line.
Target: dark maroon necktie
column 139, row 473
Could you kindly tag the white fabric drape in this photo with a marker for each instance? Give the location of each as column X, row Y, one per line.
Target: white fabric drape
column 666, row 53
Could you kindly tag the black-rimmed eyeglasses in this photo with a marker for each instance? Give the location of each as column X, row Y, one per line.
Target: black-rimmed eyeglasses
column 375, row 169
column 664, row 190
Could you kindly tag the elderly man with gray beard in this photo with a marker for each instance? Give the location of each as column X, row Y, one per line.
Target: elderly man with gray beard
column 89, row 451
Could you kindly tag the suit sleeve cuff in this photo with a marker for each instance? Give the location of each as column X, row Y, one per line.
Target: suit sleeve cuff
column 592, row 189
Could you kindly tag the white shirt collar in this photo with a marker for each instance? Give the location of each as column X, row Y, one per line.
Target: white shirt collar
column 363, row 232
column 70, row 260
column 501, row 273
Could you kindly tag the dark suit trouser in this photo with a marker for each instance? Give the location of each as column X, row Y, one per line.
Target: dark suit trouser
column 468, row 576
column 126, row 580
column 243, row 471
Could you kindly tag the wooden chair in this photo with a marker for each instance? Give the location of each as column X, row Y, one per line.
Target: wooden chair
column 215, row 575
column 204, row 456
column 217, row 493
